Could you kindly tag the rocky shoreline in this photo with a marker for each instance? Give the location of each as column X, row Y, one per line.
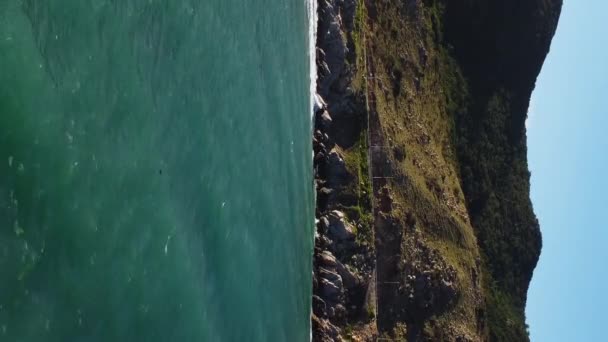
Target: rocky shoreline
column 343, row 263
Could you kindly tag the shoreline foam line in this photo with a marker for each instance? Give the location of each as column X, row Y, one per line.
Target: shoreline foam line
column 311, row 7
column 312, row 54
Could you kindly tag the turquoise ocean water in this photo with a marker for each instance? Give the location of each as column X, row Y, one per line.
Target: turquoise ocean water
column 155, row 170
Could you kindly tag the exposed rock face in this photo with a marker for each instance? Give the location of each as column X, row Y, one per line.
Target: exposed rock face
column 335, row 21
column 324, row 331
column 339, row 229
column 337, row 174
column 429, row 283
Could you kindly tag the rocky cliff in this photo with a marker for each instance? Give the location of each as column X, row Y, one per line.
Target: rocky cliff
column 425, row 229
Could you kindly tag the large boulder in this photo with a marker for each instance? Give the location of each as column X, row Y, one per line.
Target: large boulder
column 335, row 169
column 324, row 121
column 324, row 331
column 339, row 229
column 349, row 278
column 324, row 197
column 329, row 291
column 318, row 306
column 332, row 276
column 327, row 260
column 323, row 225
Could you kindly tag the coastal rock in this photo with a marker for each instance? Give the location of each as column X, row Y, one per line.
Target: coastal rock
column 336, row 170
column 319, row 104
column 319, row 157
column 339, row 312
column 323, row 68
column 332, row 277
column 327, row 260
column 324, row 121
column 324, row 331
column 325, row 242
column 324, row 196
column 320, row 54
column 329, row 291
column 339, row 229
column 323, row 225
column 318, row 306
column 349, row 278
column 318, row 136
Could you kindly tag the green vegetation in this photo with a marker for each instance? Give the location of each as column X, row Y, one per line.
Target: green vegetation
column 496, row 182
column 506, row 321
column 489, row 112
column 358, row 38
column 356, row 160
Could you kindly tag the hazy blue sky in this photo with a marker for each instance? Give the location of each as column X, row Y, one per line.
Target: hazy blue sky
column 568, row 157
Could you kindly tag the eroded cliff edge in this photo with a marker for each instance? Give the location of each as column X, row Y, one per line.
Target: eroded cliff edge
column 425, row 229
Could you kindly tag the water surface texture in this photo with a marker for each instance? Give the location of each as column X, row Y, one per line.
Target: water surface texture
column 155, row 170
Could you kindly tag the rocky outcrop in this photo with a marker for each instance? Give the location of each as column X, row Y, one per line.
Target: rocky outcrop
column 336, row 20
column 342, row 266
column 339, row 229
column 338, row 288
column 428, row 285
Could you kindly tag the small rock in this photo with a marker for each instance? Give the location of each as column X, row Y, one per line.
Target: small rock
column 325, row 191
column 319, row 157
column 339, row 311
column 329, row 291
column 324, row 121
column 336, row 171
column 323, row 198
column 318, row 306
column 337, row 213
column 322, row 147
column 320, row 104
column 323, row 225
column 326, row 242
column 336, row 161
column 328, row 260
column 318, row 135
column 332, row 276
column 331, row 312
column 320, row 53
column 324, row 331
